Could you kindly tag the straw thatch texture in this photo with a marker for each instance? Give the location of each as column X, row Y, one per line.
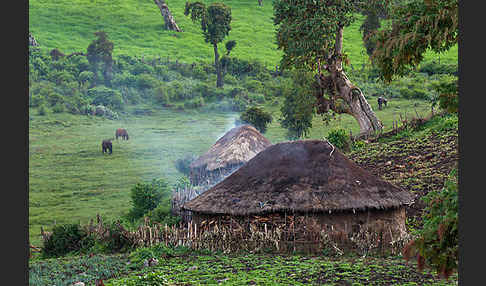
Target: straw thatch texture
column 234, row 149
column 299, row 176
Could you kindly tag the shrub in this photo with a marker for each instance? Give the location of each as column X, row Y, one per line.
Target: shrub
column 146, row 197
column 182, row 164
column 161, row 214
column 414, row 93
column 124, row 79
column 258, row 98
column 198, row 72
column 141, row 68
column 161, row 94
column 66, row 238
column 116, row 240
column 105, row 96
column 42, row 109
column 194, row 103
column 86, row 76
column 146, row 81
column 230, row 79
column 59, row 108
column 340, row 139
column 257, row 117
column 253, row 85
column 437, row 242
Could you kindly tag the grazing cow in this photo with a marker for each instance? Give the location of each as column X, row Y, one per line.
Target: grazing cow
column 120, row 132
column 381, row 100
column 106, row 145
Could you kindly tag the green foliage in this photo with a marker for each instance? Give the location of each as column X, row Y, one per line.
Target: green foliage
column 437, row 243
column 306, row 30
column 340, row 139
column 42, row 109
column 254, row 85
column 417, row 26
column 448, row 96
column 147, row 196
column 146, row 81
column 116, row 241
column 433, row 67
column 257, row 117
column 162, row 214
column 64, row 239
column 215, row 20
column 298, row 107
column 106, row 96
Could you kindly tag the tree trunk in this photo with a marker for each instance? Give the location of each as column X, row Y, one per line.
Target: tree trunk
column 260, row 2
column 355, row 103
column 169, row 21
column 217, row 65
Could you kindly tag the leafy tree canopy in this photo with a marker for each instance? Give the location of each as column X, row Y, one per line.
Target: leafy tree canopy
column 417, row 26
column 215, row 20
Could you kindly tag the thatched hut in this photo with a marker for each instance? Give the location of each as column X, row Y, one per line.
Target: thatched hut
column 230, row 152
column 310, row 188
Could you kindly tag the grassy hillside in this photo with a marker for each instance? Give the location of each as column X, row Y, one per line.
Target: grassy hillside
column 136, row 28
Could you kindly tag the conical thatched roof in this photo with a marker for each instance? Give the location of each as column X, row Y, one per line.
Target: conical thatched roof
column 237, row 146
column 299, row 176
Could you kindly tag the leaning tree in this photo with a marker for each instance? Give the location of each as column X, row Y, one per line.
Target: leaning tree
column 310, row 33
column 169, row 21
column 215, row 22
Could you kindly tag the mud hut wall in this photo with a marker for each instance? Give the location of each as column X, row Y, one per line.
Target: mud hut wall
column 309, row 232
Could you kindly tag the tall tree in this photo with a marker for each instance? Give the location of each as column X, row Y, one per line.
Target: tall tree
column 100, row 51
column 215, row 24
column 169, row 21
column 310, row 33
column 417, row 26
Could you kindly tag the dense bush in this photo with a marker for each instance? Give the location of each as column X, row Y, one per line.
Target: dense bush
column 436, row 244
column 253, row 85
column 146, row 197
column 257, row 117
column 298, row 107
column 116, row 240
column 146, row 81
column 140, row 68
column 106, row 96
column 340, row 139
column 433, row 67
column 162, row 214
column 66, row 238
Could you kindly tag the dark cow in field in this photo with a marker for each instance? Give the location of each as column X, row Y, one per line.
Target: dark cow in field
column 106, row 146
column 382, row 100
column 120, row 132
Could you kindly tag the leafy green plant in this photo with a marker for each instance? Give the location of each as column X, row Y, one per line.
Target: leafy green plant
column 437, row 243
column 340, row 139
column 66, row 238
column 147, row 196
column 257, row 117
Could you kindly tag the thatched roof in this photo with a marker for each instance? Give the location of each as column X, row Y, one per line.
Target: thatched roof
column 299, row 176
column 237, row 146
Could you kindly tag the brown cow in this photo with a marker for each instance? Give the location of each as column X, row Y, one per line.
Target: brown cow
column 120, row 132
column 106, row 145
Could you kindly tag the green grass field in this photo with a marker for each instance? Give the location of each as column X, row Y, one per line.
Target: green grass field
column 136, row 28
column 70, row 180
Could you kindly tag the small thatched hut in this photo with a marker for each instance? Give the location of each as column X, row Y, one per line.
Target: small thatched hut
column 314, row 187
column 232, row 150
